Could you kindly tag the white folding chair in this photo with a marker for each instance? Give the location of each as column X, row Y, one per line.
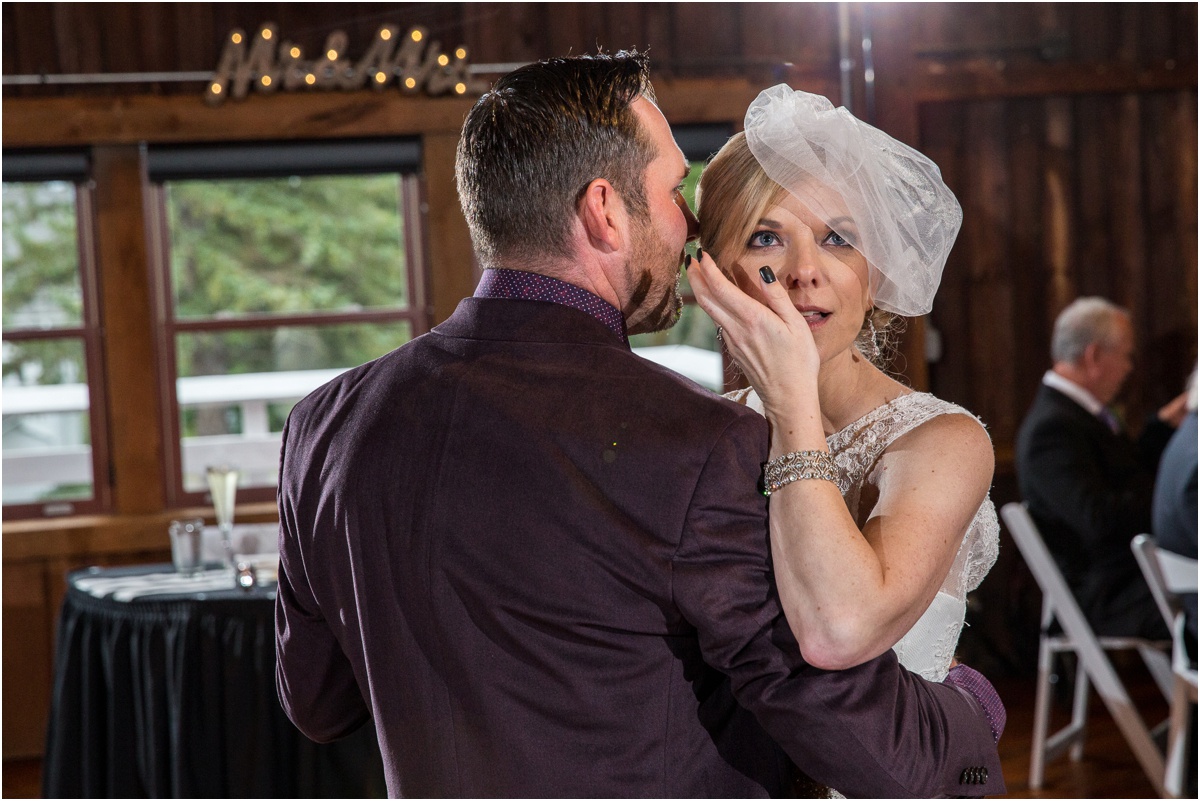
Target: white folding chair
column 1058, row 603
column 1169, row 575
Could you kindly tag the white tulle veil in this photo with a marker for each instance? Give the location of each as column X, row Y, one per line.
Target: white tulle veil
column 905, row 218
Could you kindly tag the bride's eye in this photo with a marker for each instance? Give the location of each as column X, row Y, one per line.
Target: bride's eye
column 837, row 240
column 763, row 239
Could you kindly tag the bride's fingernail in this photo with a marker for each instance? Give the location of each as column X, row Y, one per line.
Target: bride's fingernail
column 768, row 275
column 699, row 254
column 687, row 260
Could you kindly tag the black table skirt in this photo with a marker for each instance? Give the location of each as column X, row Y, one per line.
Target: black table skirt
column 177, row 698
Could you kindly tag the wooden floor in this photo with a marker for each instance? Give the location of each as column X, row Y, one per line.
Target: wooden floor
column 1107, row 770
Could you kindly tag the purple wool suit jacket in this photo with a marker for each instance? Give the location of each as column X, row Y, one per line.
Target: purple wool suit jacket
column 539, row 564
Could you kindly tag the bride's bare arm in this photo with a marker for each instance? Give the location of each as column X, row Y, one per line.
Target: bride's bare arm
column 849, row 594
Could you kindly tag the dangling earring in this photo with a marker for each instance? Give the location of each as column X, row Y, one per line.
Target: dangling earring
column 873, row 350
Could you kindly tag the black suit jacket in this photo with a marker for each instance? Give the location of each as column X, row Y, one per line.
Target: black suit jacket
column 1089, row 491
column 540, row 564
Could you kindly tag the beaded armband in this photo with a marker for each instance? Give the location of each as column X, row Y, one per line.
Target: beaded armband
column 783, row 470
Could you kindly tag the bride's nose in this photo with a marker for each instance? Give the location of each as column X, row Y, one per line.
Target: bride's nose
column 803, row 267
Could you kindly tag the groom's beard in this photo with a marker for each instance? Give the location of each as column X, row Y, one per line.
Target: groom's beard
column 655, row 304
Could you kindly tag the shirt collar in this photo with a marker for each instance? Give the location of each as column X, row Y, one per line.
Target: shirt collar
column 521, row 285
column 1073, row 391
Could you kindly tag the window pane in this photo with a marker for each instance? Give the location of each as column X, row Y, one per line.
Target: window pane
column 47, row 442
column 286, row 245
column 235, row 389
column 41, row 256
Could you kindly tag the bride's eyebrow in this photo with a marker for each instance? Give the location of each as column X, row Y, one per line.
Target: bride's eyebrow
column 772, row 224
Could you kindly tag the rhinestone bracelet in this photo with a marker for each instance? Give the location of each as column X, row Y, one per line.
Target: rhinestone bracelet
column 783, row 470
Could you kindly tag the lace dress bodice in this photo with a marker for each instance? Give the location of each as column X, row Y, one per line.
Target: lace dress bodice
column 928, row 647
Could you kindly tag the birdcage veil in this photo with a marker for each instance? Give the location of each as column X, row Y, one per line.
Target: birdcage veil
column 904, row 217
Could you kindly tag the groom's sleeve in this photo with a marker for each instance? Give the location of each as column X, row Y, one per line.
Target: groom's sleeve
column 315, row 681
column 875, row 730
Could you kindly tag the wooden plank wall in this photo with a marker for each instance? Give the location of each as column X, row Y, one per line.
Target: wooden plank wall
column 1062, row 197
column 1067, row 130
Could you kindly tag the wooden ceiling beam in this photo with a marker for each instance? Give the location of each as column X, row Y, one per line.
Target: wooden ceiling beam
column 129, row 119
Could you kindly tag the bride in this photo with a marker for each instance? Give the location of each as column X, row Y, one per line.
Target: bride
column 826, row 229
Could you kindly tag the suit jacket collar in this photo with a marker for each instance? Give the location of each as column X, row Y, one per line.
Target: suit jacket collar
column 510, row 320
column 1070, row 406
column 1070, row 389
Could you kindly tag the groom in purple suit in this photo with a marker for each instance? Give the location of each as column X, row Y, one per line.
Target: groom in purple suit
column 537, row 563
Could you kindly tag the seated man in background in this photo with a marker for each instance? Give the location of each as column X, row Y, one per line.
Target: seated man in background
column 1088, row 486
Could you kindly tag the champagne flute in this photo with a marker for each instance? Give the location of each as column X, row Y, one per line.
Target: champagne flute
column 222, row 483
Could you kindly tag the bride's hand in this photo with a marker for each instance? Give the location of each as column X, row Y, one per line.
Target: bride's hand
column 771, row 343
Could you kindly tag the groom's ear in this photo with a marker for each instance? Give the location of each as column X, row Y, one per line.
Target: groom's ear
column 603, row 215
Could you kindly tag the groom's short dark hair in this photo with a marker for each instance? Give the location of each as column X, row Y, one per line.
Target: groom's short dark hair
column 531, row 145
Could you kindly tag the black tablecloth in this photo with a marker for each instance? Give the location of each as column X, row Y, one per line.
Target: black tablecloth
column 175, row 697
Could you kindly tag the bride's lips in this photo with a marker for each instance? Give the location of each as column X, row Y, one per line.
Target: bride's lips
column 815, row 316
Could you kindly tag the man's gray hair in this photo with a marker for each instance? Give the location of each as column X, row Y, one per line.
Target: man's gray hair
column 1083, row 322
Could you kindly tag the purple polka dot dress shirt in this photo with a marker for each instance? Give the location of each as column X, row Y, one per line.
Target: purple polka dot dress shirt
column 521, row 285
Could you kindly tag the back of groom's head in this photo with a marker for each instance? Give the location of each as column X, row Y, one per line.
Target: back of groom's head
column 531, row 145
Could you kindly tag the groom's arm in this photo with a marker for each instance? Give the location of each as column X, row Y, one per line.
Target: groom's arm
column 315, row 681
column 874, row 730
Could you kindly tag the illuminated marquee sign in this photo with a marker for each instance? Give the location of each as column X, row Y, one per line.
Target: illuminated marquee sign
column 411, row 61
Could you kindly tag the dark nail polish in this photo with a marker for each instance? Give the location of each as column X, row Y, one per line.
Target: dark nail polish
column 687, row 260
column 768, row 275
column 699, row 253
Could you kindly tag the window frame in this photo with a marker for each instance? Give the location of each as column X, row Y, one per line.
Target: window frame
column 40, row 168
column 167, row 327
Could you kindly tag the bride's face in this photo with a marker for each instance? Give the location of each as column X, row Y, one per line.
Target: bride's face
column 827, row 279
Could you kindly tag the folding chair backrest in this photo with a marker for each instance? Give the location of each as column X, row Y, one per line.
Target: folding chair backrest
column 1179, row 571
column 1049, row 577
column 1148, row 558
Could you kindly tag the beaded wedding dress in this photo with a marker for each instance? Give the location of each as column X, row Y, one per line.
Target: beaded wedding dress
column 928, row 647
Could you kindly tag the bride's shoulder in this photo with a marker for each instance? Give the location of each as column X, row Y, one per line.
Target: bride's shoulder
column 947, row 428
